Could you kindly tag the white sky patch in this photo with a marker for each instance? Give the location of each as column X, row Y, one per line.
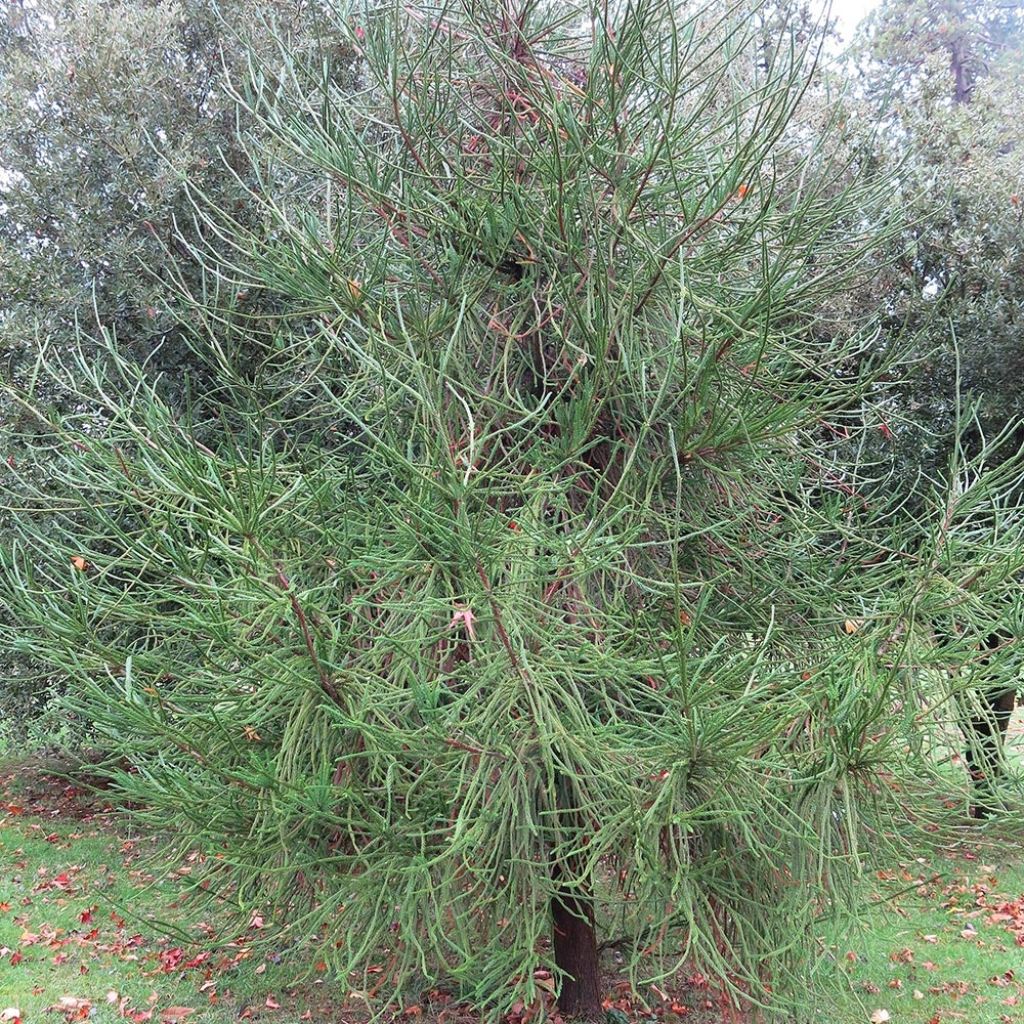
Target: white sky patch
column 849, row 14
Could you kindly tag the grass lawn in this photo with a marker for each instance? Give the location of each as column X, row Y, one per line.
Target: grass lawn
column 949, row 948
column 78, row 932
column 946, row 941
column 81, row 936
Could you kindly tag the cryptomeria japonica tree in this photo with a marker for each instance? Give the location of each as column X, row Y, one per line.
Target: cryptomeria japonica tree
column 516, row 598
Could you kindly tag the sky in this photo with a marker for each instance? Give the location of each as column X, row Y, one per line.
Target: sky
column 850, row 12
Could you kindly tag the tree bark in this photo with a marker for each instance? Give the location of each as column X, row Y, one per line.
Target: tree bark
column 576, row 953
column 984, row 727
column 963, row 83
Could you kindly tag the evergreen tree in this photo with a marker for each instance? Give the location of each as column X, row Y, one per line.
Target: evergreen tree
column 522, row 588
column 946, row 80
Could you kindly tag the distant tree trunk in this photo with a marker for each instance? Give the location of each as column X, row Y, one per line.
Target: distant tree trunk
column 961, row 74
column 984, row 725
column 576, row 953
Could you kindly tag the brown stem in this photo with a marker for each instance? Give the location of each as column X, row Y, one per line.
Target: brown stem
column 498, row 622
column 326, row 684
column 576, row 952
column 574, row 935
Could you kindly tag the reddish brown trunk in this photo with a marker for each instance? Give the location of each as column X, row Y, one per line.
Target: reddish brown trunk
column 576, row 955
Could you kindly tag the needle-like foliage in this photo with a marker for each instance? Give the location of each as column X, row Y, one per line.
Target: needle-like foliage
column 518, row 598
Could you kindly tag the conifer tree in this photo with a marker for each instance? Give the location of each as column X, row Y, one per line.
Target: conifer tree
column 518, row 598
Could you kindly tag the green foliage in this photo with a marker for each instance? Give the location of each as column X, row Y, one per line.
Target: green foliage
column 105, row 109
column 947, row 80
column 518, row 569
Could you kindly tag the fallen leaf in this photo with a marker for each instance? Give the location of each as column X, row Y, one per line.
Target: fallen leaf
column 66, row 1003
column 173, row 1014
column 880, row 1016
column 72, row 1007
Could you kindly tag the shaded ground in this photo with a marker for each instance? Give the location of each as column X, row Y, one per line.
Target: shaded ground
column 84, row 935
column 79, row 926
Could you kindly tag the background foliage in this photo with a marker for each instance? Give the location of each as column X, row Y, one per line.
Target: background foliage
column 945, row 80
column 106, row 109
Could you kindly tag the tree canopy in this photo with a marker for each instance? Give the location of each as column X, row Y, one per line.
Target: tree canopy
column 512, row 585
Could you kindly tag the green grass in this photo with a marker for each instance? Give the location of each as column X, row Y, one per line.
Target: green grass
column 939, row 951
column 936, row 949
column 79, row 919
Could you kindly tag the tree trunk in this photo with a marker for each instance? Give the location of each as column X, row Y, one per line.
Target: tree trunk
column 576, row 954
column 984, row 723
column 963, row 83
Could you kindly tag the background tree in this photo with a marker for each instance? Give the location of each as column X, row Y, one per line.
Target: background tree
column 107, row 107
column 521, row 595
column 946, row 78
column 105, row 110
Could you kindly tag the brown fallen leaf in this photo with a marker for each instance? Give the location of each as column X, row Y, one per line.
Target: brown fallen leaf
column 173, row 1014
column 68, row 1004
